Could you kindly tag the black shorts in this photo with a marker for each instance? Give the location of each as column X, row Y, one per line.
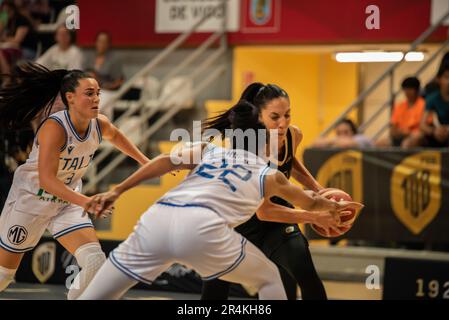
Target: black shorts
column 268, row 236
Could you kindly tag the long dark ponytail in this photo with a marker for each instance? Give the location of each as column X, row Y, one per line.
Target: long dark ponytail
column 245, row 114
column 33, row 90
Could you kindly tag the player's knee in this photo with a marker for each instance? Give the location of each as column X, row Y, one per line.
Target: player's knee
column 90, row 255
column 90, row 258
column 6, row 277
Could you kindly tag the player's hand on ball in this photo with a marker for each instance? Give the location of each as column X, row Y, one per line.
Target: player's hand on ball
column 345, row 212
column 327, row 221
column 344, row 205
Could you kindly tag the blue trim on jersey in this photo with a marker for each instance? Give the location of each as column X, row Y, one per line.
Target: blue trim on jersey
column 72, row 228
column 13, row 250
column 262, row 181
column 126, row 271
column 65, row 131
column 187, row 205
column 98, row 126
column 232, row 267
column 72, row 128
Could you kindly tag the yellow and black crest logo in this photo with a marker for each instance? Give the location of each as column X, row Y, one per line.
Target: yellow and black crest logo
column 43, row 261
column 416, row 190
column 343, row 171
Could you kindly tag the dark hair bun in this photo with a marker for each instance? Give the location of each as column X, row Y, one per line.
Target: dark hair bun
column 244, row 115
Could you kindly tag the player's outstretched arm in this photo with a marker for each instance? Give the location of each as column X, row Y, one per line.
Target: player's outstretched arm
column 179, row 159
column 270, row 211
column 276, row 184
column 299, row 171
column 119, row 140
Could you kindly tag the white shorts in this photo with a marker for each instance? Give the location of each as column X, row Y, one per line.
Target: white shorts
column 23, row 222
column 194, row 236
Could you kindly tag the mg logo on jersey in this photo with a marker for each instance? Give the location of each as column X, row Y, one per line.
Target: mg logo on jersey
column 17, row 234
column 416, row 190
column 43, row 261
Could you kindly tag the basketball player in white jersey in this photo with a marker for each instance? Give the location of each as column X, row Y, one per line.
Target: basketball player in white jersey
column 45, row 193
column 192, row 224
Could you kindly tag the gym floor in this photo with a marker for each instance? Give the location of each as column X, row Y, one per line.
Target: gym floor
column 336, row 290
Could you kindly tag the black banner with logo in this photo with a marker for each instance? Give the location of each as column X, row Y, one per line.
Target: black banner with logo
column 406, row 193
column 415, row 279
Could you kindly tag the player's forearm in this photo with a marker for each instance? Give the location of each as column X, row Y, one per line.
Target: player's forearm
column 303, row 176
column 121, row 142
column 320, row 203
column 306, row 199
column 154, row 168
column 277, row 213
column 310, row 201
column 57, row 188
column 307, row 181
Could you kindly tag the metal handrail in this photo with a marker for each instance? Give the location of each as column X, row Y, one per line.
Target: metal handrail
column 148, row 113
column 151, row 130
column 387, row 72
column 155, row 61
column 158, row 104
column 193, row 56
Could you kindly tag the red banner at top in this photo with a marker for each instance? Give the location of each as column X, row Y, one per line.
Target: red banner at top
column 132, row 23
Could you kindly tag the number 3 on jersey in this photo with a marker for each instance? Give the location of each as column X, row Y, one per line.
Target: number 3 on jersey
column 236, row 170
column 69, row 179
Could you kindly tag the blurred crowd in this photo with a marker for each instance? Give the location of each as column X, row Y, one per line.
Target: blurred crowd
column 25, row 26
column 421, row 119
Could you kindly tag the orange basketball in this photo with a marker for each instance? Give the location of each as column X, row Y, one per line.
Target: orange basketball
column 336, row 195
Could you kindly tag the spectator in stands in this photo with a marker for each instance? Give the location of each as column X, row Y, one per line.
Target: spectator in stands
column 346, row 136
column 406, row 117
column 17, row 35
column 39, row 11
column 105, row 66
column 433, row 84
column 64, row 54
column 435, row 121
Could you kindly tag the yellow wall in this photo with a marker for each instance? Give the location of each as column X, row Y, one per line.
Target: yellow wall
column 318, row 86
column 130, row 206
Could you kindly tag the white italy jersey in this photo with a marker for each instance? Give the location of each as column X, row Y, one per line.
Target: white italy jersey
column 229, row 182
column 75, row 157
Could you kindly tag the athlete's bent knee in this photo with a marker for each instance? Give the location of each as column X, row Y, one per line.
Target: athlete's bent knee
column 90, row 258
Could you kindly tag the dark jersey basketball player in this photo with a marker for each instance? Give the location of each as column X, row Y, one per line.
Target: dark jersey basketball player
column 283, row 243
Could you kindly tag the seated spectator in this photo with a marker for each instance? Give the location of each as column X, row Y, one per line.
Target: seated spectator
column 346, row 137
column 433, row 84
column 406, row 117
column 106, row 68
column 435, row 121
column 18, row 37
column 64, row 54
column 104, row 64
